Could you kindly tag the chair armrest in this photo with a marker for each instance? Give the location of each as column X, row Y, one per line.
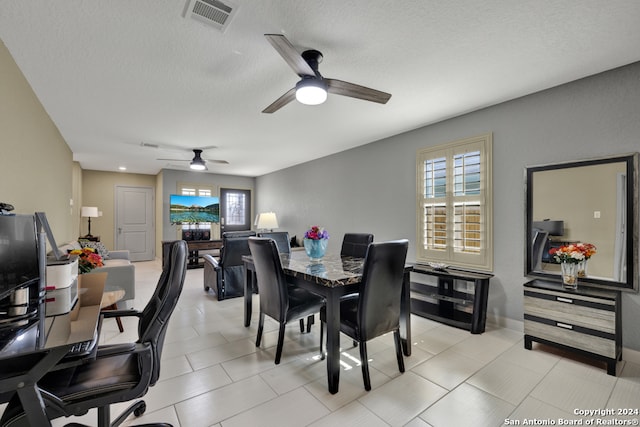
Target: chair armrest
column 211, row 260
column 121, row 313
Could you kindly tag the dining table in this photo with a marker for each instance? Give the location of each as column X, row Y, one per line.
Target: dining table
column 333, row 276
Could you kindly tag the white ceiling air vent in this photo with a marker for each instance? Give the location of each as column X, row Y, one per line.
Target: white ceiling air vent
column 212, row 12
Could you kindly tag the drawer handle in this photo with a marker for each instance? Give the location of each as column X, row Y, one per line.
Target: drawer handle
column 563, row 325
column 567, row 300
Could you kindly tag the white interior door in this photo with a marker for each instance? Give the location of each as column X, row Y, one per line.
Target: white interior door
column 134, row 222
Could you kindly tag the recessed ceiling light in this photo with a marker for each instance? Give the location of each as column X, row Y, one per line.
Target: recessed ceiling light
column 122, row 168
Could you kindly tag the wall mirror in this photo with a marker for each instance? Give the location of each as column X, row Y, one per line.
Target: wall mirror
column 589, row 201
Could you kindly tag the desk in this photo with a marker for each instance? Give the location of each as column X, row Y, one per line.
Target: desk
column 21, row 368
column 193, row 246
column 332, row 277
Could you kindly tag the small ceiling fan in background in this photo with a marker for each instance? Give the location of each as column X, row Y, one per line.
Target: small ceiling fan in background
column 312, row 89
column 197, row 163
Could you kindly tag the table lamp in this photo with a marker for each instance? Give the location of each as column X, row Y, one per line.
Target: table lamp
column 267, row 221
column 89, row 212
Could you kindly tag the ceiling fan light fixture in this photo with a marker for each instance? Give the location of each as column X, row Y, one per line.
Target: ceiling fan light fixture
column 197, row 166
column 311, row 91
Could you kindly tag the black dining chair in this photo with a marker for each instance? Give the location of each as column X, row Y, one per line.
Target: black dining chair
column 281, row 238
column 375, row 310
column 119, row 372
column 355, row 244
column 278, row 299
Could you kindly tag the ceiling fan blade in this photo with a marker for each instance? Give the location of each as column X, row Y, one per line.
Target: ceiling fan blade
column 281, row 102
column 356, row 91
column 170, row 147
column 290, row 55
column 221, row 162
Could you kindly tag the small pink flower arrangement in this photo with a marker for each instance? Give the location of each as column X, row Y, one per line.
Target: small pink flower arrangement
column 316, row 233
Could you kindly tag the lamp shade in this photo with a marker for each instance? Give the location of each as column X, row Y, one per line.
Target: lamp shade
column 267, row 220
column 89, row 212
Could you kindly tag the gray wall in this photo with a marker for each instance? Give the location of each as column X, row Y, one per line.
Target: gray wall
column 372, row 188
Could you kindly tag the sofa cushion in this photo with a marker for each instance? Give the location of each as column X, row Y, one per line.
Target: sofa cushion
column 115, row 262
column 96, row 246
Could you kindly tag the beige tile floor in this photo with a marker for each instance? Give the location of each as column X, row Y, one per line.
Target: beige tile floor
column 213, row 375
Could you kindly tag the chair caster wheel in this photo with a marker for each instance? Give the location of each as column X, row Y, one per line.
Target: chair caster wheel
column 140, row 409
column 206, row 288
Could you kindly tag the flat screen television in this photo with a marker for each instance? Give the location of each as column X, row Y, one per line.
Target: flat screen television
column 193, row 209
column 18, row 253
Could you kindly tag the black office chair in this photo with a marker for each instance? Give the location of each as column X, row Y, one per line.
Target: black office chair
column 120, row 372
column 226, row 277
column 281, row 238
column 375, row 310
column 355, row 244
column 279, row 300
column 539, row 243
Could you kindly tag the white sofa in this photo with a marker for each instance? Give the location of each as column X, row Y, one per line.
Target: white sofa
column 121, row 272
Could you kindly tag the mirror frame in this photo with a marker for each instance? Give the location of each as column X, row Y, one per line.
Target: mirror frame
column 631, row 161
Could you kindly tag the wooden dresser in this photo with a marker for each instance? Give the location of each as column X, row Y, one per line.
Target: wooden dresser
column 585, row 320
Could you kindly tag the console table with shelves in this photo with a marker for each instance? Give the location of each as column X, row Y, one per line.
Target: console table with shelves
column 194, row 247
column 585, row 320
column 453, row 305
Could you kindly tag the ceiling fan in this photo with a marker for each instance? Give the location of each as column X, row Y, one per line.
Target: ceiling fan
column 198, row 163
column 312, row 88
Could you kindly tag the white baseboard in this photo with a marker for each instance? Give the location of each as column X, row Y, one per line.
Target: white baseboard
column 630, row 355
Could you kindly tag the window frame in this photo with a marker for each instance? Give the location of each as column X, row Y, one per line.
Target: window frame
column 481, row 260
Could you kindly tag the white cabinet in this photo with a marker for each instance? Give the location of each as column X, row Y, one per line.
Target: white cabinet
column 61, row 286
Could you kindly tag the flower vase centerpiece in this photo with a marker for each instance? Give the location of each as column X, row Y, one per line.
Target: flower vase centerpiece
column 572, row 259
column 587, row 250
column 88, row 259
column 315, row 242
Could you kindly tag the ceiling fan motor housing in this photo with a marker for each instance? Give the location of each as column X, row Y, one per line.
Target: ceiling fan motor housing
column 313, row 58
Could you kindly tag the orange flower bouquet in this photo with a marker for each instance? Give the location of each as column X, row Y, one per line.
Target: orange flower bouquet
column 88, row 259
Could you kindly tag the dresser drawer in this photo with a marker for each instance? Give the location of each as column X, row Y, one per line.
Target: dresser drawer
column 566, row 334
column 585, row 312
column 585, row 320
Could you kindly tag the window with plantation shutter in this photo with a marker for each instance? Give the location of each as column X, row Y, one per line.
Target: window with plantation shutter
column 454, row 204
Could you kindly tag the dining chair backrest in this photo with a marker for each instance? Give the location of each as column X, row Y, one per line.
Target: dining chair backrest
column 281, row 238
column 272, row 284
column 234, row 247
column 355, row 244
column 380, row 292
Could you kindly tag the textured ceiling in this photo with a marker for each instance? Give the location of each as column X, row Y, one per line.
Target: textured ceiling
column 113, row 74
